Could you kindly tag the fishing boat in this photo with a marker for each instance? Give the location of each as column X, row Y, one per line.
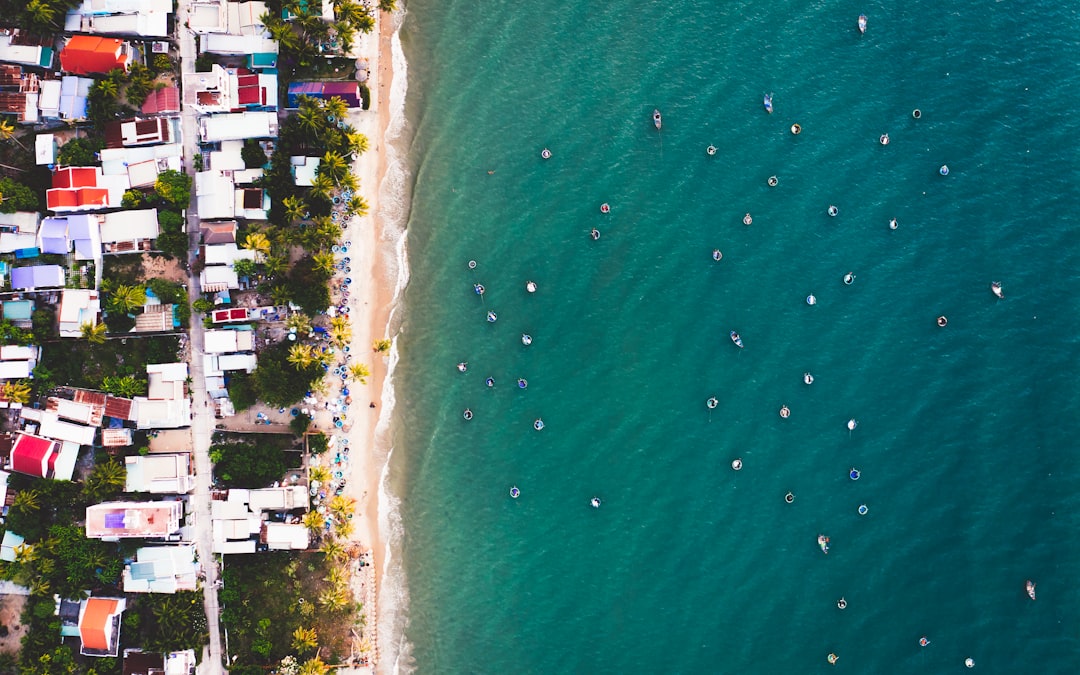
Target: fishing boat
column 823, row 542
column 767, row 102
column 1031, row 589
column 656, row 119
column 995, row 288
column 736, row 339
column 862, row 23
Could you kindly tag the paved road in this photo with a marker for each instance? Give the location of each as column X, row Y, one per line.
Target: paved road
column 202, row 421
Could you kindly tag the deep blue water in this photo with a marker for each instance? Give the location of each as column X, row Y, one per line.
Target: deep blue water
column 966, row 436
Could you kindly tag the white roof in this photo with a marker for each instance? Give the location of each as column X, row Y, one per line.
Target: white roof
column 53, row 427
column 278, row 499
column 215, row 278
column 70, row 410
column 304, row 169
column 73, row 302
column 282, row 536
column 231, row 126
column 246, row 546
column 159, row 474
column 15, row 370
column 68, row 457
column 162, row 414
column 219, row 341
column 45, row 149
column 245, row 362
column 13, row 241
column 19, row 352
column 23, row 221
column 214, row 194
column 170, row 372
column 226, row 254
column 162, row 569
column 49, row 98
column 129, row 226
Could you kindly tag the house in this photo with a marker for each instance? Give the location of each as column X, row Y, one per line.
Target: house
column 87, row 54
column 348, row 91
column 238, row 516
column 37, row 277
column 214, row 194
column 223, row 232
column 42, row 457
column 119, row 408
column 226, row 254
column 17, row 362
column 166, row 405
column 95, row 621
column 138, row 662
column 251, row 203
column 304, row 169
column 162, row 101
column 83, row 412
column 19, row 93
column 18, row 231
column 228, row 341
column 45, row 149
column 129, row 231
column 216, row 278
column 159, row 474
column 238, row 126
column 78, row 307
column 139, row 166
column 229, row 89
column 144, row 18
column 73, row 94
column 61, row 234
column 18, row 47
column 19, row 312
column 117, row 437
column 153, row 131
column 84, row 188
column 112, row 521
column 162, row 569
column 51, row 426
column 10, row 543
column 284, row 536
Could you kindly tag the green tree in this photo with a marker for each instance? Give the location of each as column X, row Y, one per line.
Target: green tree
column 357, row 143
column 15, row 196
column 93, row 333
column 126, row 299
column 387, row 5
column 359, row 372
column 382, row 345
column 322, row 186
column 258, row 242
column 244, row 267
column 80, row 151
column 172, row 240
column 305, row 640
column 315, row 666
column 249, row 465
column 174, row 187
column 106, row 481
column 253, row 154
column 295, row 208
column 40, row 15
column 307, row 286
column 125, row 386
column 16, row 391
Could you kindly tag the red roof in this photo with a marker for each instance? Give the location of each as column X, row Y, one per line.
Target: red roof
column 86, row 54
column 75, row 177
column 68, row 199
column 29, row 453
column 165, row 100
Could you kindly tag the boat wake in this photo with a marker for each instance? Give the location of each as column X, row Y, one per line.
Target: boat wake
column 393, row 204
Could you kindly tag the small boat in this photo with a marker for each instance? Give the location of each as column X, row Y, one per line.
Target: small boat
column 747, row 220
column 796, row 129
column 851, row 424
column 807, row 378
column 767, row 102
column 530, row 286
column 605, row 208
column 854, row 474
column 479, row 289
column 462, row 367
column 545, row 153
column 467, row 414
column 736, row 339
column 823, row 542
column 811, row 300
column 736, row 464
column 711, row 150
column 833, row 211
column 862, row 23
column 1031, row 589
column 717, row 255
column 785, row 412
column 712, row 402
column 594, row 502
column 923, row 641
column 538, row 424
column 526, row 339
column 833, row 658
column 595, row 234
column 944, row 170
column 841, row 603
column 490, row 381
column 656, row 119
column 523, row 383
column 773, row 181
column 893, row 224
column 514, row 492
column 492, row 317
column 863, row 510
column 995, row 288
column 883, row 139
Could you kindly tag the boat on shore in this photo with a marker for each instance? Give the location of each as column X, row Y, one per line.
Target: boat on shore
column 862, row 23
column 736, row 339
column 657, row 120
column 823, row 543
column 1031, row 589
column 995, row 288
column 767, row 102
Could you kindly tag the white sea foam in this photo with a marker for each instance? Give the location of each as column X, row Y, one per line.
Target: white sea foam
column 394, row 202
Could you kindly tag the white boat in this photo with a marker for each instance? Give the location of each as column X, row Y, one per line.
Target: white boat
column 656, row 119
column 862, row 23
column 995, row 288
column 767, row 102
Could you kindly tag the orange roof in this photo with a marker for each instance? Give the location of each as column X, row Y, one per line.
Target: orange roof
column 94, row 624
column 75, row 176
column 86, row 54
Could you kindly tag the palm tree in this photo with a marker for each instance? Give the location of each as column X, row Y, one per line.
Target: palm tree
column 25, row 554
column 93, row 333
column 39, row 586
column 106, row 479
column 16, row 391
column 315, row 666
column 341, row 507
column 126, row 386
column 343, row 529
column 382, row 345
column 305, row 640
column 27, row 501
column 301, row 356
column 357, row 206
column 313, row 521
column 336, row 107
column 323, row 262
column 348, row 182
column 280, row 294
column 333, row 550
column 295, row 208
column 275, row 265
column 337, row 577
column 333, row 165
column 359, row 372
column 340, row 331
column 318, row 474
column 333, row 600
column 358, row 143
column 7, row 132
column 346, row 34
column 322, row 186
column 126, row 299
column 40, row 15
column 299, row 322
column 258, row 242
column 311, row 117
column 107, row 88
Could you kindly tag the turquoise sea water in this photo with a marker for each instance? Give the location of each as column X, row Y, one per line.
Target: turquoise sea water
column 966, row 435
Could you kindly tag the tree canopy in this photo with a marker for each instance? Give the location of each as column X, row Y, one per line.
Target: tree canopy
column 174, row 187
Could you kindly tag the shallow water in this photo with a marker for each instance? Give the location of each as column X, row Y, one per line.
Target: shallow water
column 965, row 434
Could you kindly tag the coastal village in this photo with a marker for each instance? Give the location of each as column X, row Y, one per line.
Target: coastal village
column 184, row 355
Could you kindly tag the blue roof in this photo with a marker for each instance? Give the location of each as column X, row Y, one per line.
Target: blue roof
column 18, row 310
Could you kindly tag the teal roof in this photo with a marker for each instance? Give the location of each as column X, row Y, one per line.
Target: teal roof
column 18, row 310
column 46, row 57
column 262, row 60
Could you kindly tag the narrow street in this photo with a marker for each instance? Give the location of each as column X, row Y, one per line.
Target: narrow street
column 202, row 421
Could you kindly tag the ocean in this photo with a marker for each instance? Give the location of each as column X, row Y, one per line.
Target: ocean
column 965, row 436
